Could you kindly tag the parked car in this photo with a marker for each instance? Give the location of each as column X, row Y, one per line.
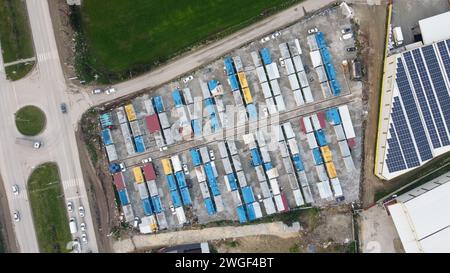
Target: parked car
column 185, row 169
column 84, row 238
column 265, row 39
column 136, row 222
column 110, row 90
column 83, row 226
column 97, row 91
column 63, row 108
column 282, row 63
column 275, row 35
column 15, row 189
column 265, row 112
column 16, row 216
column 211, row 155
column 313, row 30
column 122, row 167
column 346, row 30
column 69, row 206
column 172, row 209
column 146, row 160
column 81, row 211
column 188, row 79
column 351, row 49
column 163, row 148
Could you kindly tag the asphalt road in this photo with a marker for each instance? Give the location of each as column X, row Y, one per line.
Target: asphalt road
column 46, row 88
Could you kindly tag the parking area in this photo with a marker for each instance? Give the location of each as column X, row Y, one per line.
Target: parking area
column 407, row 13
column 271, row 127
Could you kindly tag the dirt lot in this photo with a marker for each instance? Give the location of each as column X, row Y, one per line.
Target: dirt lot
column 372, row 34
column 329, row 230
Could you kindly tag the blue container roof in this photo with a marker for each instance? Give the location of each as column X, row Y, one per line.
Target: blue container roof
column 106, row 135
column 321, row 139
column 181, row 179
column 214, row 123
column 317, row 156
column 147, row 206
column 320, row 38
column 252, row 112
column 209, row 206
column 251, row 212
column 123, row 196
column 106, row 120
column 175, row 198
column 156, row 200
column 196, row 127
column 298, row 162
column 212, row 84
column 247, row 194
column 214, row 189
column 171, row 182
column 256, row 159
column 267, row 166
column 241, row 214
column 232, row 181
column 233, row 82
column 176, row 95
column 196, row 161
column 114, row 168
column 186, row 196
column 139, row 141
column 209, row 101
column 229, row 65
column 158, row 103
column 333, row 116
column 265, row 54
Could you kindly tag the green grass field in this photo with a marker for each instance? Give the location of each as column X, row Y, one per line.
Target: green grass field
column 30, row 120
column 49, row 209
column 136, row 35
column 15, row 34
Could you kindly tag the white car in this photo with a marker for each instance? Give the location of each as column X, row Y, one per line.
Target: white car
column 110, row 90
column 172, row 209
column 81, row 211
column 346, row 30
column 188, row 79
column 282, row 63
column 276, row 34
column 83, row 226
column 122, row 167
column 69, row 206
column 84, row 238
column 37, row 145
column 16, row 216
column 146, row 160
column 313, row 30
column 265, row 39
column 265, row 112
column 97, row 91
column 211, row 155
column 15, row 189
column 163, row 148
column 185, row 169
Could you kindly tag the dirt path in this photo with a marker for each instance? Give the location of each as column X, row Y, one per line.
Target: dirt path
column 101, row 199
column 215, row 233
column 6, row 227
column 372, row 36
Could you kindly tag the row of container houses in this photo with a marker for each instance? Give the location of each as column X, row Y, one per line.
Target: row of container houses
column 268, row 75
column 314, row 126
column 239, row 86
column 296, row 73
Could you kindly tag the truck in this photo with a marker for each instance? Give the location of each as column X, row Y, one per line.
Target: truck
column 36, row 144
column 398, row 35
column 73, row 225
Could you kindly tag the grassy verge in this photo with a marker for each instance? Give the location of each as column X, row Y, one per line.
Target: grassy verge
column 18, row 71
column 30, row 120
column 119, row 39
column 48, row 207
column 420, row 176
column 15, row 35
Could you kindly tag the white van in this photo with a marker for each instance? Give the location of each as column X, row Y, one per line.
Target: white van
column 73, row 225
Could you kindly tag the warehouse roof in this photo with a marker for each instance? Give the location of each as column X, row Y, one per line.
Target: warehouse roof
column 152, row 123
column 432, row 28
column 423, row 222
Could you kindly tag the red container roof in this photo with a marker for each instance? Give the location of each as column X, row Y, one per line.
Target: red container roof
column 149, row 172
column 153, row 123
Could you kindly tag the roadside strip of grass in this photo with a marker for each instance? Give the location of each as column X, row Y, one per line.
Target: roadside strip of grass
column 30, row 120
column 435, row 168
column 15, row 37
column 18, row 71
column 48, row 207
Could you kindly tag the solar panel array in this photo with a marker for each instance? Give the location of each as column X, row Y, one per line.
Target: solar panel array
column 420, row 115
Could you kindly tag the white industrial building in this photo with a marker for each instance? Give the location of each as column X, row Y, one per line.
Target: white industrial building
column 435, row 28
column 422, row 219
